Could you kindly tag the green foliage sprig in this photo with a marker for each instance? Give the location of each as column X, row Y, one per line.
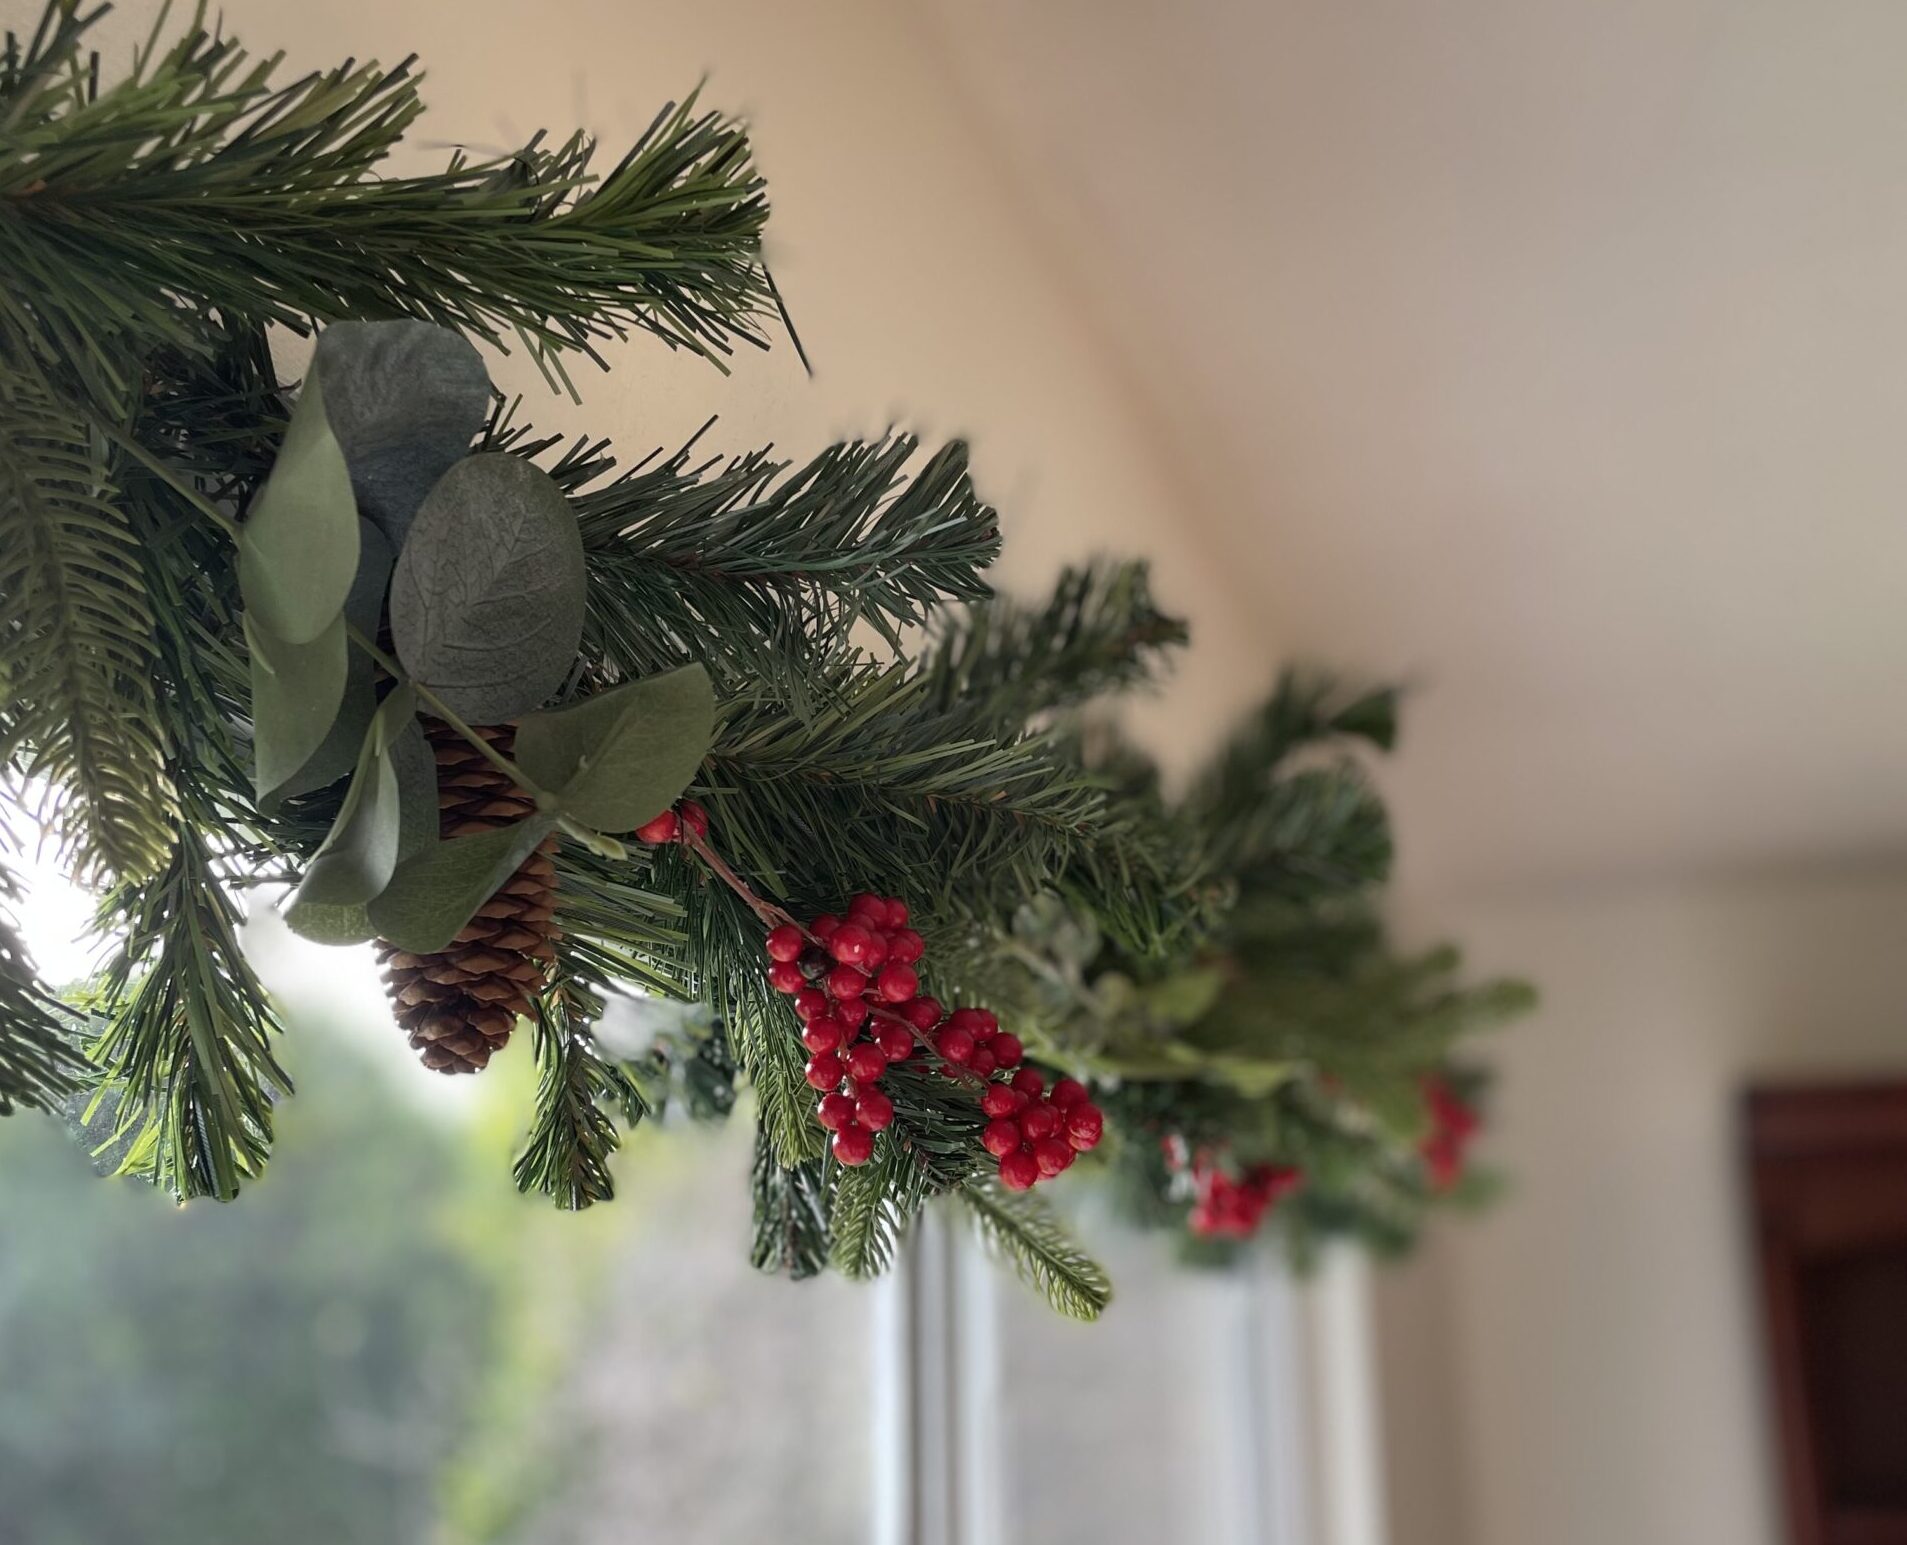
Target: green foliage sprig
column 227, row 603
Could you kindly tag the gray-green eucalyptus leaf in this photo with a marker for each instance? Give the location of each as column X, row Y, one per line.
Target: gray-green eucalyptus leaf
column 487, row 596
column 298, row 548
column 359, row 853
column 364, row 610
column 623, row 756
column 405, row 400
column 296, row 693
column 434, row 893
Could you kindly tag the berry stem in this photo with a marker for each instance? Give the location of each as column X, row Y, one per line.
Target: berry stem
column 767, row 911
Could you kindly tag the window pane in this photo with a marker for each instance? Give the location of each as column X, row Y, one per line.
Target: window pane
column 1171, row 1418
column 383, row 1343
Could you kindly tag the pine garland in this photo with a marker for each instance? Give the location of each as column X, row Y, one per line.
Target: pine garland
column 784, row 682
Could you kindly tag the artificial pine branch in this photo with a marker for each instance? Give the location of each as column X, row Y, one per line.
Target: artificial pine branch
column 791, row 1213
column 78, row 628
column 1097, row 633
column 1022, row 1231
column 187, row 1047
column 871, row 1207
column 40, row 1063
column 573, row 1137
column 752, row 565
column 195, row 177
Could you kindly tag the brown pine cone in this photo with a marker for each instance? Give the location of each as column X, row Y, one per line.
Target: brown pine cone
column 460, row 1004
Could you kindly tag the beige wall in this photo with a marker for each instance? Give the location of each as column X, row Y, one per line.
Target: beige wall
column 920, row 292
column 1599, row 1384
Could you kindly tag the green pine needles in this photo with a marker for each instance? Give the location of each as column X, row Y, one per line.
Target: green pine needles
column 262, row 631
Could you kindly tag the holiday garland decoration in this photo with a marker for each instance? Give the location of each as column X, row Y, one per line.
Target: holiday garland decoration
column 603, row 751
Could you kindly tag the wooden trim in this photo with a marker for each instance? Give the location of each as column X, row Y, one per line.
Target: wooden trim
column 1828, row 1172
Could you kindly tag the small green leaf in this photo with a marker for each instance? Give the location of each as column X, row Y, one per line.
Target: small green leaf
column 487, row 597
column 298, row 548
column 435, row 892
column 416, row 768
column 360, row 851
column 296, row 692
column 346, row 923
column 405, row 398
column 364, row 610
column 623, row 756
column 1184, row 997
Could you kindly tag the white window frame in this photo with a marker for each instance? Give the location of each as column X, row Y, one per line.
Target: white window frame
column 1298, row 1461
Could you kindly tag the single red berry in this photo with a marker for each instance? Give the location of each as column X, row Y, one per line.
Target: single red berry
column 923, row 1013
column 1027, row 1080
column 834, row 1112
column 955, row 1044
column 823, row 926
column 785, row 976
column 906, row 947
column 853, row 1144
column 811, row 1001
column 848, row 944
column 1067, row 1092
column 870, row 906
column 1039, row 1120
column 983, row 1061
column 1053, row 1154
column 823, row 1033
column 785, row 942
column 999, row 1100
column 895, row 1042
column 1000, row 1138
column 897, row 984
column 1084, row 1124
column 824, row 1070
column 1008, row 1049
column 662, row 829
column 694, row 817
column 846, row 982
column 896, row 912
column 968, row 1020
column 866, row 1061
column 989, row 1025
column 874, row 1110
column 1019, row 1170
column 852, row 1012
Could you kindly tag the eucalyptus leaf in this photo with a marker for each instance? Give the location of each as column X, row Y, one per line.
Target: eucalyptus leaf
column 410, row 758
column 623, row 756
column 405, row 399
column 297, row 690
column 360, row 851
column 364, row 610
column 416, row 768
column 298, row 548
column 345, row 923
column 435, row 892
column 487, row 597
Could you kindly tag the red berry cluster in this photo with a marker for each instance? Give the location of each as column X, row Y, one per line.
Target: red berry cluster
column 1232, row 1208
column 857, row 994
column 1036, row 1132
column 1228, row 1205
column 671, row 824
column 1453, row 1125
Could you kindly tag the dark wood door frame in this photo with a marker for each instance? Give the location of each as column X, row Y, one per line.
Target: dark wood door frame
column 1828, row 1167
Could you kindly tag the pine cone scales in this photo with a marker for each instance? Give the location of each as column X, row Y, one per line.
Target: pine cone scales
column 460, row 1004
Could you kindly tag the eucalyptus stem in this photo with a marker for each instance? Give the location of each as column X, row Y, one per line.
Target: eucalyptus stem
column 595, row 841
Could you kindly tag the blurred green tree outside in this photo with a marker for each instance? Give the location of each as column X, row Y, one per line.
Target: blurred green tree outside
column 362, row 1351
